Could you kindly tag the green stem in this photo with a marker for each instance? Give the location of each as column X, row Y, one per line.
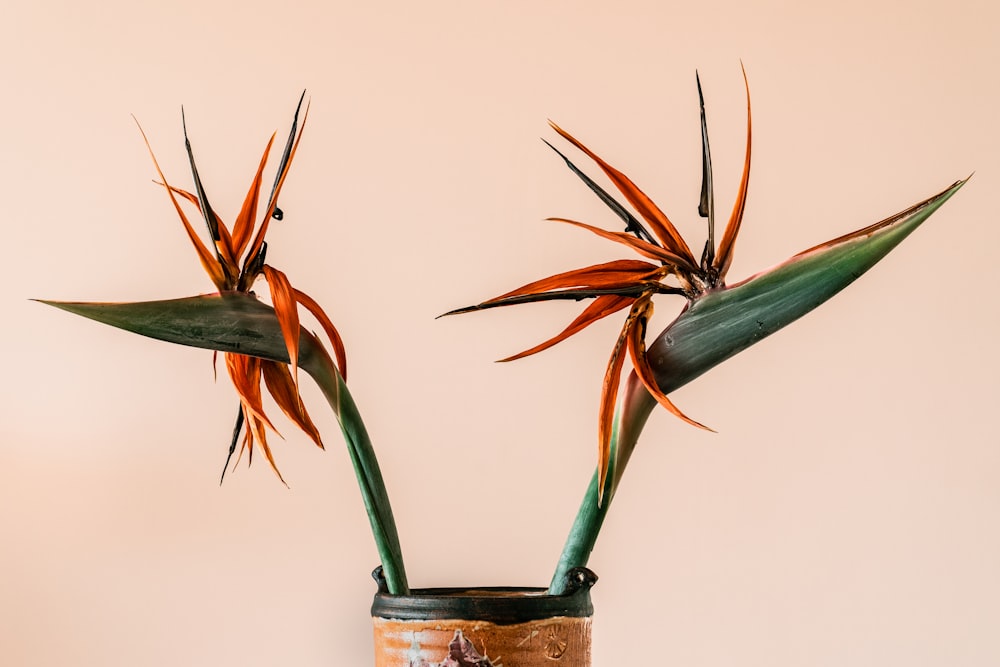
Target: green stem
column 589, row 519
column 366, row 469
column 582, row 536
column 633, row 411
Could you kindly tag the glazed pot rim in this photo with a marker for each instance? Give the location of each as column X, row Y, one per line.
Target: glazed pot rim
column 503, row 605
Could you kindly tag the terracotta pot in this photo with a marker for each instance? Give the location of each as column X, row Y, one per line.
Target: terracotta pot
column 484, row 627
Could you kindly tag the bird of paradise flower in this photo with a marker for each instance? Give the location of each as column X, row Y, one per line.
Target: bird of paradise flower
column 235, row 261
column 632, row 283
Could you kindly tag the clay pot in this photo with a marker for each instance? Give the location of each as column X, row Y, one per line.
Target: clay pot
column 484, row 627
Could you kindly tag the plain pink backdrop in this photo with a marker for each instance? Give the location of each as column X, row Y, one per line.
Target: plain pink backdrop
column 846, row 513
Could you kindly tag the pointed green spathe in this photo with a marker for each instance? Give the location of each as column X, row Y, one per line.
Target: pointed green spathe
column 227, row 322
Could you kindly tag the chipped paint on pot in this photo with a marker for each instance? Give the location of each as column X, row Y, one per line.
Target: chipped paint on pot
column 484, row 627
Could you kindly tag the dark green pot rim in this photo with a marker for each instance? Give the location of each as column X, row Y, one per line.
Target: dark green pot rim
column 496, row 604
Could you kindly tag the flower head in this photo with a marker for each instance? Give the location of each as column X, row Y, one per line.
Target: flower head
column 668, row 267
column 234, row 260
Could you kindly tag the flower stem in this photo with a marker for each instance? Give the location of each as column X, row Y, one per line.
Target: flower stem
column 634, row 408
column 589, row 519
column 366, row 469
column 583, row 534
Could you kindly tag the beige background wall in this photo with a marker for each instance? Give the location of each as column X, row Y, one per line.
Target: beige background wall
column 848, row 510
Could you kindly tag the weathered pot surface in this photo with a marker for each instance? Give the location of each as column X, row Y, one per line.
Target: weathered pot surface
column 484, row 627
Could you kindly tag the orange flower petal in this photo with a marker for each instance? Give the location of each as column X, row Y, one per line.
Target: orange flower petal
column 262, row 231
column 225, row 240
column 210, row 263
column 641, row 313
column 259, row 434
column 246, row 445
column 601, row 307
column 644, row 248
column 282, row 388
column 243, row 226
column 661, row 225
column 607, row 275
column 609, row 396
column 632, row 224
column 246, row 375
column 244, row 371
column 331, row 331
column 725, row 255
column 283, row 299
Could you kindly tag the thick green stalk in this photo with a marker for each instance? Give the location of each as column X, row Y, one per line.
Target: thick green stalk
column 587, row 525
column 238, row 323
column 590, row 517
column 582, row 536
column 367, row 471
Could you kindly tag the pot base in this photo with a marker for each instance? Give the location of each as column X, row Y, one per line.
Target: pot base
column 563, row 641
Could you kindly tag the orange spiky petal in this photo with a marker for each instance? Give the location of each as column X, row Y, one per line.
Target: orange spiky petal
column 601, row 307
column 244, row 224
column 287, row 312
column 609, row 396
column 244, row 371
column 644, row 248
column 211, row 265
column 331, row 331
column 641, row 313
column 256, row 427
column 262, row 231
column 225, row 244
column 599, row 276
column 246, row 444
column 282, row 388
column 725, row 255
column 662, row 227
